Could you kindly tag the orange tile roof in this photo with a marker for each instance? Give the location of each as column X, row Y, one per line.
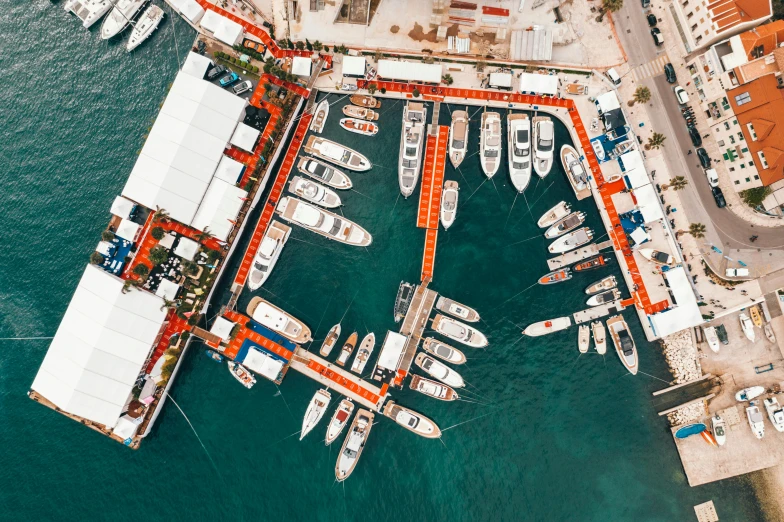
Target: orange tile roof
column 768, row 36
column 727, row 14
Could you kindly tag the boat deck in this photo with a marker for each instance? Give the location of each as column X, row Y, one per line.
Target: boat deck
column 577, row 255
column 429, row 255
column 595, row 312
column 413, row 326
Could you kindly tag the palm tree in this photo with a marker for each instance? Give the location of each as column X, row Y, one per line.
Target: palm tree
column 697, row 230
column 642, row 95
column 679, row 183
column 300, row 46
column 656, row 140
column 130, row 283
column 318, row 45
column 158, row 255
column 161, row 214
column 204, row 235
column 168, row 304
column 141, row 270
column 96, row 258
column 447, row 79
column 612, row 5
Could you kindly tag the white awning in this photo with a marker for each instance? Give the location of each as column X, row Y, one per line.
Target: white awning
column 354, row 66
column 222, row 327
column 128, row 230
column 190, row 9
column 391, row 351
column 635, row 178
column 538, row 83
column 122, row 207
column 409, row 71
column 631, row 160
column 648, row 203
column 126, row 427
column 301, row 66
column 167, row 290
column 639, row 236
column 196, row 65
column 225, row 30
column 100, row 348
column 105, row 248
column 229, row 170
column 221, row 203
column 186, row 248
column 685, row 313
column 500, row 80
column 263, row 364
column 245, row 137
column 607, row 102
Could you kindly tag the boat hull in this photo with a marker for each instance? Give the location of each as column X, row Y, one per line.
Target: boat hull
column 355, row 441
column 570, row 241
column 144, row 28
column 439, row 371
column 449, row 198
column 547, row 327
column 460, row 332
column 458, row 138
column 519, row 165
column 560, row 210
column 434, row 389
column 490, row 143
column 318, row 405
column 339, row 421
column 320, row 116
column 330, row 340
column 272, row 317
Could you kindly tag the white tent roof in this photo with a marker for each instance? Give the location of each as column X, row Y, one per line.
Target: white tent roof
column 391, row 351
column 104, row 247
column 636, row 177
column 225, row 30
column 229, row 170
column 354, row 66
column 263, row 364
column 126, row 427
column 500, row 79
column 301, row 66
column 607, row 102
column 167, row 289
column 535, row 45
column 648, row 203
column 190, row 9
column 538, row 83
column 128, row 230
column 186, row 248
column 100, row 348
column 409, row 71
column 639, row 235
column 196, row 65
column 245, row 137
column 631, row 159
column 685, row 313
column 221, row 203
column 122, row 207
column 222, row 327
column 211, row 21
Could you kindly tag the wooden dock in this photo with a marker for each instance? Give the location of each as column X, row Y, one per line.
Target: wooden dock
column 413, row 326
column 575, row 256
column 595, row 312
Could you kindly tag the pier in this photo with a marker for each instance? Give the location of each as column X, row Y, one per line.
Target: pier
column 595, row 312
column 575, row 256
column 430, row 193
column 413, row 326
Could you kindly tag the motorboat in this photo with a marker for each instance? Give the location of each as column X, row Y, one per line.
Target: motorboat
column 443, row 351
column 571, row 241
column 559, row 211
column 755, row 420
column 362, row 113
column 593, row 263
column 363, row 353
column 412, row 421
column 268, row 253
column 622, row 148
column 458, row 331
column 689, row 430
column 519, row 150
column 461, row 311
column 575, row 171
column 324, row 173
column 363, row 127
column 565, row 224
column 314, row 193
column 354, row 444
column 272, row 317
column 599, row 338
column 708, row 437
column 656, row 256
column 432, row 389
column 320, row 116
column 120, row 17
column 490, row 143
column 322, row 222
column 339, row 420
column 747, row 326
column 242, row 374
column 598, row 149
column 756, row 317
column 89, row 11
column 548, row 327
column 458, row 137
column 348, row 348
column 721, row 331
column 330, row 340
column 747, row 394
column 405, row 294
column 775, row 413
column 368, row 102
column 601, row 285
column 583, row 338
column 711, row 338
column 412, row 141
column 544, row 145
column 318, row 405
column 338, row 154
column 439, row 370
column 719, row 429
column 769, row 332
column 603, row 298
column 556, row 276
column 215, row 356
column 624, row 343
column 145, row 26
column 449, row 203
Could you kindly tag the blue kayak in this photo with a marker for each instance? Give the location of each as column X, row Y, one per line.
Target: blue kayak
column 691, row 429
column 215, row 356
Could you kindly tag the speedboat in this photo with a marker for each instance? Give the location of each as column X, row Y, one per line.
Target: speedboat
column 559, row 211
column 353, row 444
column 272, row 317
column 556, row 276
column 519, row 135
column 215, row 356
column 624, row 344
column 605, row 297
column 313, row 192
column 458, row 331
column 655, row 256
column 599, row 338
column 601, row 285
column 412, row 141
column 747, row 326
column 145, row 26
column 368, row 102
column 711, row 338
column 755, row 420
column 449, row 203
column 458, row 138
column 318, row 405
column 775, row 413
column 242, row 374
column 365, row 128
column 583, row 338
column 598, row 149
column 461, row 311
column 565, row 224
column 324, row 173
column 747, row 394
column 548, row 327
column 439, row 370
column 544, row 145
column 571, row 241
column 412, row 421
column 592, row 263
column 433, row 389
column 348, row 348
column 322, row 222
column 120, row 17
column 490, row 143
column 756, row 317
column 443, row 351
column 89, row 11
column 320, row 117
column 719, row 429
column 352, row 111
column 575, row 171
column 330, row 340
column 269, row 251
column 363, row 353
column 338, row 154
column 339, row 420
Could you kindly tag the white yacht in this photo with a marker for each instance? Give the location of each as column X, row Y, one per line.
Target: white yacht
column 269, row 251
column 490, row 143
column 599, row 339
column 322, row 222
column 747, row 394
column 433, row 389
column 330, row 340
column 560, row 210
column 712, row 338
column 339, row 420
column 443, row 351
column 363, row 353
column 459, row 310
column 354, row 444
column 544, row 144
column 352, row 111
column 460, row 332
column 601, row 285
column 242, row 374
column 747, row 326
column 320, row 116
column 547, row 327
column 564, row 225
column 583, row 338
column 624, row 344
column 272, row 317
column 458, row 137
column 571, row 241
column 575, row 171
column 412, row 141
column 333, row 152
column 145, row 26
column 775, row 413
column 313, row 192
column 605, row 297
column 330, row 176
column 120, row 17
column 89, row 11
column 412, row 421
column 519, row 135
column 439, row 371
column 756, row 421
column 449, row 203
column 318, row 405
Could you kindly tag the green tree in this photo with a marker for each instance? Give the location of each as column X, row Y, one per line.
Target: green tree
column 383, row 90
column 697, row 230
column 372, row 88
column 157, row 233
column 158, row 255
column 161, row 214
column 141, row 270
column 679, row 183
column 753, row 197
column 300, row 46
column 343, row 49
column 204, row 236
column 447, row 79
column 308, row 45
column 107, row 236
column 130, row 283
column 96, row 258
column 612, row 5
column 334, row 48
column 416, row 93
column 656, row 140
column 642, row 94
column 318, row 46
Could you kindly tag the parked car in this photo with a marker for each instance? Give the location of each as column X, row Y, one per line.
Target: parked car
column 681, row 95
column 718, row 196
column 713, row 177
column 229, row 79
column 669, row 73
column 215, row 73
column 694, row 134
column 652, row 21
column 254, row 46
column 658, row 39
column 242, row 87
column 705, row 160
column 614, row 77
column 646, row 4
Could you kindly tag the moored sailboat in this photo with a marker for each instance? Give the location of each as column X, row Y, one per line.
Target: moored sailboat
column 318, row 405
column 120, row 17
column 145, row 26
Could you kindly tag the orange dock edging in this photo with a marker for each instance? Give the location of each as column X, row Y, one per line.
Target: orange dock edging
column 430, row 195
column 429, row 256
column 246, row 333
column 342, row 381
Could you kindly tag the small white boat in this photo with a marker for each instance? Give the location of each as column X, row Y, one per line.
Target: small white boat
column 747, row 326
column 412, row 421
column 363, row 113
column 570, row 241
column 606, row 283
column 348, row 349
column 599, row 338
column 712, row 338
column 461, row 311
column 565, row 224
column 320, row 116
column 318, row 405
column 775, row 413
column 439, row 370
column 769, row 332
column 272, row 317
column 322, row 222
column 89, row 11
column 490, row 143
column 432, row 389
column 363, row 353
column 354, row 444
column 519, row 150
column 242, row 374
column 412, row 141
column 598, row 150
column 583, row 338
column 145, row 26
column 755, row 420
column 314, row 193
column 655, row 256
column 548, row 327
column 575, row 171
column 363, row 127
column 269, row 251
column 605, row 297
column 443, row 351
column 559, row 211
column 719, row 429
column 458, row 137
column 321, row 171
column 747, row 394
column 120, row 17
column 544, row 145
column 458, row 331
column 449, row 203
column 333, row 152
column 339, row 420
column 624, row 343
column 330, row 340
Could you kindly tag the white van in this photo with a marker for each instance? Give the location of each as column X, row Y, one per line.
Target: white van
column 612, row 74
column 713, row 177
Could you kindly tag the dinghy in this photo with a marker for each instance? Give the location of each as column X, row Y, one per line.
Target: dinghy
column 747, row 394
column 556, row 276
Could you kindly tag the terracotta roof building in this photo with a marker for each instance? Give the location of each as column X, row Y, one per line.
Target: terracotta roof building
column 701, row 23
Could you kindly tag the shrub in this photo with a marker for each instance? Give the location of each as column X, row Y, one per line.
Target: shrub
column 96, row 258
column 383, row 90
column 416, row 93
column 448, row 80
column 158, row 255
column 157, row 233
column 753, row 197
column 107, row 236
column 141, row 270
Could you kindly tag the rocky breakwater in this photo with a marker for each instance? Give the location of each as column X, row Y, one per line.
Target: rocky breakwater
column 680, row 353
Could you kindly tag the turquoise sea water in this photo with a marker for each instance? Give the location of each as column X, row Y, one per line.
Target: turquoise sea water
column 549, row 436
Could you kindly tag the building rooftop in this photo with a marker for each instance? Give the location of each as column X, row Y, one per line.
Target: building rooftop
column 764, row 39
column 727, row 14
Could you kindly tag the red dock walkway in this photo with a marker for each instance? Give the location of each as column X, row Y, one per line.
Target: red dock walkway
column 430, row 195
column 246, row 333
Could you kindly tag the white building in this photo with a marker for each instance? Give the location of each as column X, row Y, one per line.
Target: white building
column 700, row 23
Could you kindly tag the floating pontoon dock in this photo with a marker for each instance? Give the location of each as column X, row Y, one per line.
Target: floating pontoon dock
column 575, row 256
column 413, row 327
column 595, row 312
